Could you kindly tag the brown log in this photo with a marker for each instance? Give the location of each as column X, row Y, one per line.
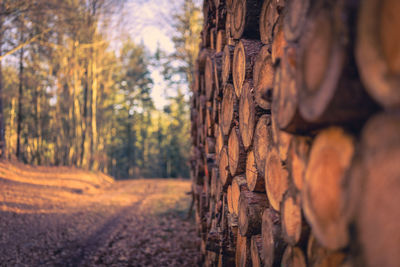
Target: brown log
column 209, row 77
column 330, row 91
column 227, row 63
column 213, row 37
column 245, row 18
column 228, row 29
column 281, row 139
column 377, row 50
column 217, row 65
column 294, row 229
column 378, row 213
column 251, row 207
column 229, row 5
column 238, row 185
column 263, row 78
column 293, row 257
column 220, row 141
column 213, row 241
column 322, row 194
column 257, row 257
column 243, row 252
column 215, row 188
column 262, row 140
column 279, row 42
column 224, row 175
column 249, row 114
column 295, row 18
column 272, row 244
column 245, row 55
column 229, row 199
column 229, row 109
column 285, row 97
column 297, row 160
column 221, row 17
column 255, row 181
column 236, row 153
column 269, row 15
column 276, row 178
column 320, row 256
column 221, row 41
column 210, row 145
column 209, row 122
column 201, row 59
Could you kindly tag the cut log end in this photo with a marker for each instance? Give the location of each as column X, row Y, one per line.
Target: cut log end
column 276, row 178
column 263, row 77
column 262, row 140
column 330, row 157
column 293, row 257
column 255, row 181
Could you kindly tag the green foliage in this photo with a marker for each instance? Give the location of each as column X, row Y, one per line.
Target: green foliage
column 85, row 105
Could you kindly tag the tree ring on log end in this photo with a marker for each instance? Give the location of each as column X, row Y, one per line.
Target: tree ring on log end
column 263, row 78
column 378, row 50
column 330, row 158
column 276, row 178
column 239, row 68
column 320, row 65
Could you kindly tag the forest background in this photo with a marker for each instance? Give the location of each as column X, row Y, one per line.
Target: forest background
column 72, row 95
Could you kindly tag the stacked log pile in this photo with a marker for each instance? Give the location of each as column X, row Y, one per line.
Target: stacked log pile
column 296, row 133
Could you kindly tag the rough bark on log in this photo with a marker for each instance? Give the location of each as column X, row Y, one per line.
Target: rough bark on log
column 245, row 19
column 255, row 181
column 251, row 207
column 322, row 195
column 378, row 50
column 244, row 57
column 217, row 65
column 263, row 78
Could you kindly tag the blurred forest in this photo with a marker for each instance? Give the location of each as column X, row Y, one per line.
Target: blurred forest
column 68, row 98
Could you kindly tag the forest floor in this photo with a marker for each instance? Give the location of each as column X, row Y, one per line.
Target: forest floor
column 62, row 216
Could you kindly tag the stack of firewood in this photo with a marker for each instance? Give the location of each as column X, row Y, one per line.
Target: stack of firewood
column 296, row 133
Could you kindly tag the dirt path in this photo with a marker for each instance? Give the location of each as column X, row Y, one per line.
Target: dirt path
column 130, row 223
